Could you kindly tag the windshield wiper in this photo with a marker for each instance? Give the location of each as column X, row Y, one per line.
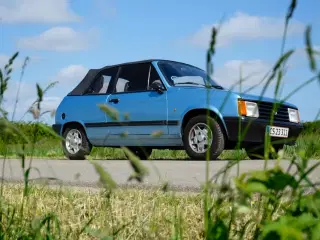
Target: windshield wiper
column 217, row 86
column 189, row 83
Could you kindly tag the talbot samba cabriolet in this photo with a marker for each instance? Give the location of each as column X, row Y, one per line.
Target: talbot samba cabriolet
column 164, row 104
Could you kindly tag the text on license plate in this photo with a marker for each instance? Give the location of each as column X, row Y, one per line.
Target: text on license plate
column 278, row 131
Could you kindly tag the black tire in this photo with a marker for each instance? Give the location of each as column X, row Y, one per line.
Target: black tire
column 85, row 146
column 217, row 142
column 258, row 153
column 142, row 152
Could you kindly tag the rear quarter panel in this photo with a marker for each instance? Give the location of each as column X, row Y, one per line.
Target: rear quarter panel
column 83, row 109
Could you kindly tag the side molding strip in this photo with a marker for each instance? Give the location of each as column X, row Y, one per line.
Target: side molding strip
column 133, row 123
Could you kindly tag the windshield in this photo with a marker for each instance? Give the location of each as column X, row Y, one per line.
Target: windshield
column 180, row 73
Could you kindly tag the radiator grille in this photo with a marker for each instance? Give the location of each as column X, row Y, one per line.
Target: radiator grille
column 265, row 112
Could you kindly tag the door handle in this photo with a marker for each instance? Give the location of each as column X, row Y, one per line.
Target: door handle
column 114, row 100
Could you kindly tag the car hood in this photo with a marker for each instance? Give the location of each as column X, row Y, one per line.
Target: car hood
column 238, row 94
column 265, row 99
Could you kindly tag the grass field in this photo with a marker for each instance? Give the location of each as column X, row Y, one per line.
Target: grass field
column 48, row 148
column 78, row 214
column 149, row 214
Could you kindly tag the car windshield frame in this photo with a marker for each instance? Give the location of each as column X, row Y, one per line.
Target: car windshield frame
column 191, row 75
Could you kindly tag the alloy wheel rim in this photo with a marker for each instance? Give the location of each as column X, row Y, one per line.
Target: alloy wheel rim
column 73, row 141
column 200, row 137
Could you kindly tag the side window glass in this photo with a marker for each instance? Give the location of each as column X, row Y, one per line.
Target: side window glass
column 154, row 77
column 133, row 78
column 122, row 85
column 101, row 83
column 105, row 85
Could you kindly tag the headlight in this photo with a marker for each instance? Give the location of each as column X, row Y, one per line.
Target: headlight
column 249, row 109
column 293, row 115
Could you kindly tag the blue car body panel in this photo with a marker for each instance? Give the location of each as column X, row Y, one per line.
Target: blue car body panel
column 84, row 109
column 178, row 106
column 146, row 113
column 259, row 98
column 142, row 115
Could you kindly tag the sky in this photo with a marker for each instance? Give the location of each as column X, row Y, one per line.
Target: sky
column 65, row 38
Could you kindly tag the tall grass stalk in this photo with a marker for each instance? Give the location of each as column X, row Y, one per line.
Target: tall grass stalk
column 262, row 188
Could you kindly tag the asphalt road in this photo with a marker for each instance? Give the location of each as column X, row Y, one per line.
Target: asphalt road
column 184, row 175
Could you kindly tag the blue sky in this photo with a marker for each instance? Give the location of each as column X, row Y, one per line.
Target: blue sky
column 64, row 38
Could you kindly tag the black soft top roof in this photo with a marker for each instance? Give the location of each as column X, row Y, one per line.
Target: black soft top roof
column 86, row 82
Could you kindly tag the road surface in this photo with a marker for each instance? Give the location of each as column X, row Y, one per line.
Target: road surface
column 183, row 175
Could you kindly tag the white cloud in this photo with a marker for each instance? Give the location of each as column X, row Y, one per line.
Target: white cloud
column 242, row 27
column 37, row 11
column 252, row 71
column 71, row 74
column 67, row 77
column 27, row 95
column 60, row 39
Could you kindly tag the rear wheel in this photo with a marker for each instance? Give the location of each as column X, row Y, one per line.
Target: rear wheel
column 200, row 134
column 142, row 152
column 75, row 144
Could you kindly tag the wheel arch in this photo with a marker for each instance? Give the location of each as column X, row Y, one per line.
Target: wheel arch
column 199, row 111
column 73, row 124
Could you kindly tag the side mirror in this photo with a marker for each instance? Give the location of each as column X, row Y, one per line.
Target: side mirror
column 156, row 86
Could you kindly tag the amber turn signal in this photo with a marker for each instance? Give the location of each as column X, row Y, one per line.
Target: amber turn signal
column 242, row 108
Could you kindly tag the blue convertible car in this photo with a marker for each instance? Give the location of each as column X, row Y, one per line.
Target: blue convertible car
column 163, row 104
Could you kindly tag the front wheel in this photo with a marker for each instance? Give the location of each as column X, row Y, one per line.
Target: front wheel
column 203, row 133
column 75, row 144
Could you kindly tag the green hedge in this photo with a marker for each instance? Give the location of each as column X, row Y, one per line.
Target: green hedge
column 42, row 131
column 311, row 127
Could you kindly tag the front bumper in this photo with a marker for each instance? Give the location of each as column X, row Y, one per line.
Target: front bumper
column 253, row 131
column 57, row 128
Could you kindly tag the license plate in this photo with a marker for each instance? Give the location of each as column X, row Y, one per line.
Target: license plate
column 277, row 131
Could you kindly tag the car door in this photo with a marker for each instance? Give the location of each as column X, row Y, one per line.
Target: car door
column 142, row 111
column 92, row 116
